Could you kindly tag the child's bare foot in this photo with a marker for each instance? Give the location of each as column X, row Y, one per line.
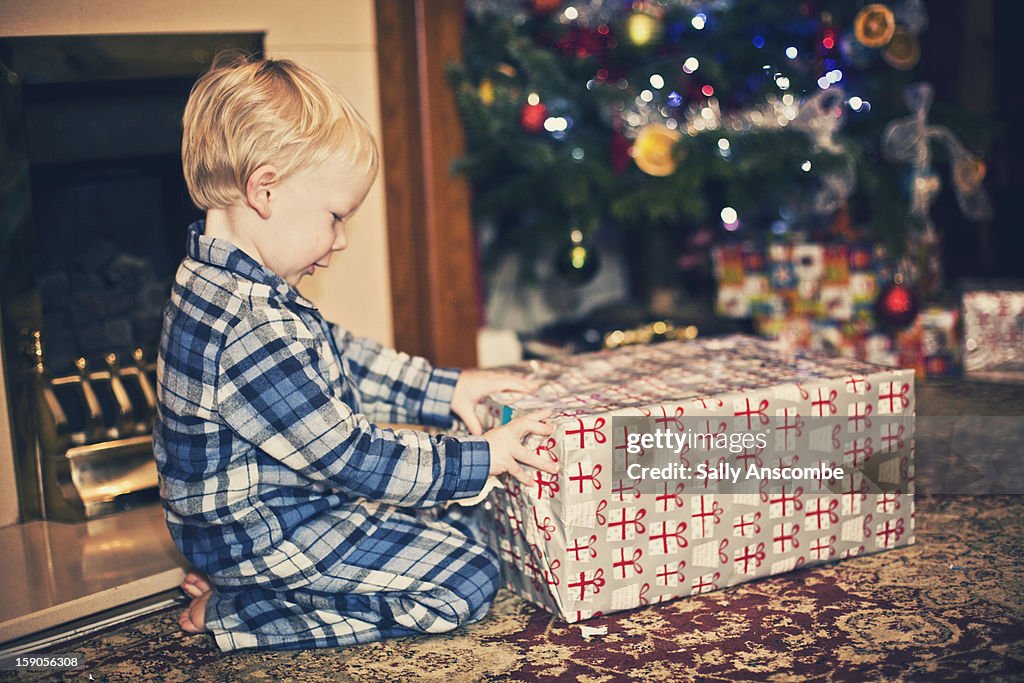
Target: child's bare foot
column 193, row 619
column 195, row 584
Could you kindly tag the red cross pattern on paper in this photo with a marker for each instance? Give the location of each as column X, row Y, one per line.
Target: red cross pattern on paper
column 749, row 554
column 595, row 432
column 532, row 570
column 599, row 513
column 795, row 425
column 891, row 400
column 545, row 527
column 827, row 401
column 859, row 452
column 887, row 503
column 624, row 447
column 785, row 539
column 857, row 384
column 670, row 574
column 859, row 416
column 823, row 514
column 748, row 412
column 854, row 494
column 705, row 400
column 551, row 573
column 705, row 583
column 628, row 523
column 660, row 538
column 621, row 489
column 547, row 449
column 747, row 525
column 590, row 479
column 709, row 510
column 892, row 440
column 546, row 483
column 822, row 547
column 589, row 548
column 747, row 455
column 779, row 506
column 628, row 564
column 675, row 497
column 888, row 533
column 591, row 585
column 675, row 419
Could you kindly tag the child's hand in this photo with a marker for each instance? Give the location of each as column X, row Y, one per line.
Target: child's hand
column 508, row 451
column 473, row 385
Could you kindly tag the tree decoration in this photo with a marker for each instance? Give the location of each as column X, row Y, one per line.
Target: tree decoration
column 644, row 27
column 576, row 261
column 902, row 51
column 908, row 139
column 897, row 305
column 874, row 25
column 533, row 114
column 653, row 150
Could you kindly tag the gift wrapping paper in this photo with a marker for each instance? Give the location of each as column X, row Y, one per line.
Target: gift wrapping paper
column 994, row 333
column 593, row 539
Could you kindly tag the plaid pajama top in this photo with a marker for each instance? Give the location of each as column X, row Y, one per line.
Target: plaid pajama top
column 265, row 440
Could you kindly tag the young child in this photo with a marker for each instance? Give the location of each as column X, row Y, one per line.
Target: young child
column 311, row 525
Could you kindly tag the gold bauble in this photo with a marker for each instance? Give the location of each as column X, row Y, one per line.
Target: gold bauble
column 874, row 25
column 968, row 172
column 654, row 149
column 486, row 91
column 643, row 29
column 903, row 51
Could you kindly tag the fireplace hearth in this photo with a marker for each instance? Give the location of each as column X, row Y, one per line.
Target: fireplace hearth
column 92, row 228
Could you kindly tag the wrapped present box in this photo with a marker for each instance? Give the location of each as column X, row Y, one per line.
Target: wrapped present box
column 608, row 534
column 994, row 334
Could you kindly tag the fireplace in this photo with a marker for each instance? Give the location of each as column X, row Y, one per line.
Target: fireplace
column 92, row 229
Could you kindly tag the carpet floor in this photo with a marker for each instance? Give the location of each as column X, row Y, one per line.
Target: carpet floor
column 950, row 607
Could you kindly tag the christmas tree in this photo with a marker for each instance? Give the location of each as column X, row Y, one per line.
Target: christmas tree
column 673, row 120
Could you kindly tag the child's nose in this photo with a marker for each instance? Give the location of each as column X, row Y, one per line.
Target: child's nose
column 340, row 240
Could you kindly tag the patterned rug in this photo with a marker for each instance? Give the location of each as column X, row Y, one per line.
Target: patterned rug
column 950, row 607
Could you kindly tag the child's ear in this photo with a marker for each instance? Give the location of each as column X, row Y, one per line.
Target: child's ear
column 259, row 189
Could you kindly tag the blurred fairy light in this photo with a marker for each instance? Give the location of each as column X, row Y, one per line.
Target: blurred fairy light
column 824, row 83
column 556, row 124
column 856, row 103
column 707, row 91
column 646, row 95
column 675, row 99
column 571, row 13
column 758, row 42
column 791, row 52
column 787, row 99
column 533, row 99
column 834, row 76
column 691, row 64
column 806, row 166
column 782, row 82
column 657, row 82
column 730, row 219
column 699, row 20
column 723, row 144
column 577, row 153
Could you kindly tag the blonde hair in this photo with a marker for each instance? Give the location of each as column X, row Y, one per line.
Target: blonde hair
column 245, row 112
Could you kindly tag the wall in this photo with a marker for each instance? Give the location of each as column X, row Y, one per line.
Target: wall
column 337, row 38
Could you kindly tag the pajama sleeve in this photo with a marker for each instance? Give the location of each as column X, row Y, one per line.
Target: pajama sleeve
column 395, row 386
column 270, row 393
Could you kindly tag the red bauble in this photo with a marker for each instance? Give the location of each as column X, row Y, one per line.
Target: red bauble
column 532, row 116
column 896, row 306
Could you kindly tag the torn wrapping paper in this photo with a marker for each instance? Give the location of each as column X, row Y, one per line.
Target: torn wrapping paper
column 606, row 534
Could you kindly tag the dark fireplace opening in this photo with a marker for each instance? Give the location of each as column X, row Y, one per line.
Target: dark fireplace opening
column 91, row 232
